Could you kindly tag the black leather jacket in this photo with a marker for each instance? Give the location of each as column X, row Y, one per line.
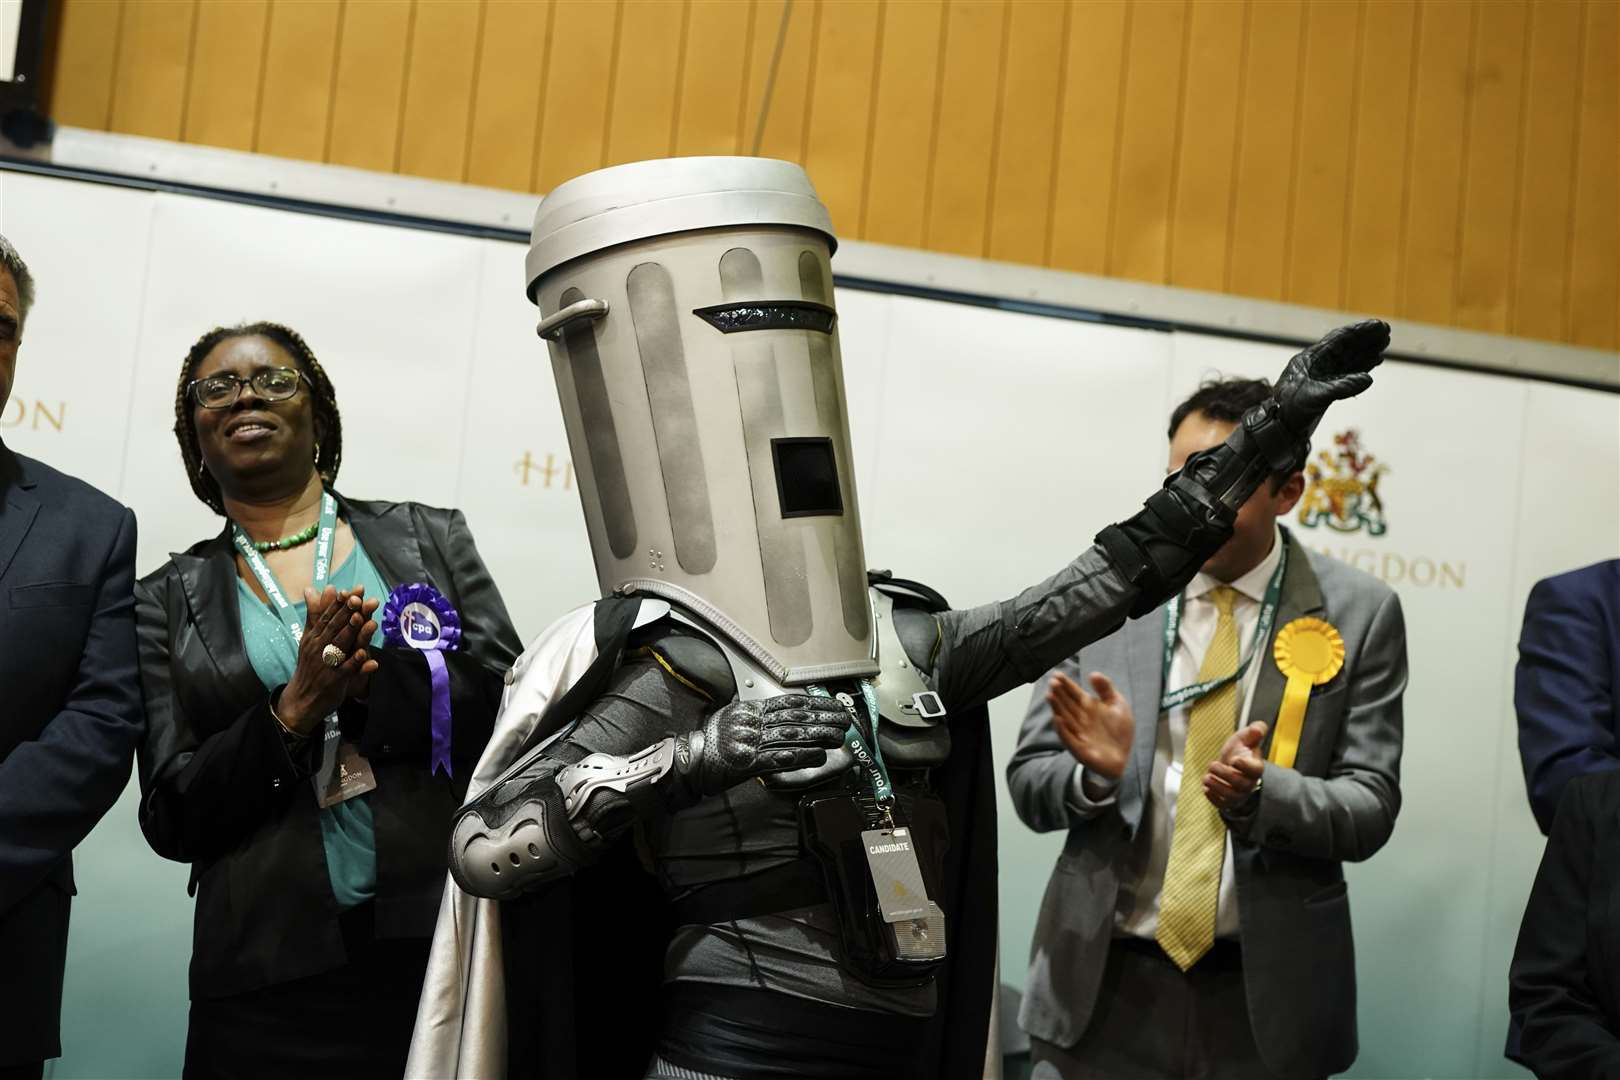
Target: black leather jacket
column 220, row 790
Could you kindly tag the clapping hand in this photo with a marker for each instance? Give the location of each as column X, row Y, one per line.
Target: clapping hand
column 1236, row 771
column 1096, row 729
column 339, row 620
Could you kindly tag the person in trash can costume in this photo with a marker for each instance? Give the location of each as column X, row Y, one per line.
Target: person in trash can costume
column 800, row 744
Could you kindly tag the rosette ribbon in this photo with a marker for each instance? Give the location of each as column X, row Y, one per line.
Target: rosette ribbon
column 1309, row 652
column 419, row 617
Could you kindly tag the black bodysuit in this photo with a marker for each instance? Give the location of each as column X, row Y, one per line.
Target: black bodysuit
column 716, row 1021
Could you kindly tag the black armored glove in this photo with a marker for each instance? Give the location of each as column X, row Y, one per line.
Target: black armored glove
column 1335, row 368
column 746, row 739
column 1161, row 547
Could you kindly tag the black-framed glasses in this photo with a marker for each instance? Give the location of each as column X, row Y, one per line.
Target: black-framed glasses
column 221, row 391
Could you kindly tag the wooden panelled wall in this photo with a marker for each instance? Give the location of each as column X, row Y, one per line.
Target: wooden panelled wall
column 1447, row 161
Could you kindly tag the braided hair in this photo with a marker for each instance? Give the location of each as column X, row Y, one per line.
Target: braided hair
column 328, row 424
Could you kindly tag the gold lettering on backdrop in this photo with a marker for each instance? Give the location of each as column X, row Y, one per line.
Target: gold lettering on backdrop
column 41, row 412
column 543, row 474
column 1419, row 571
column 17, row 413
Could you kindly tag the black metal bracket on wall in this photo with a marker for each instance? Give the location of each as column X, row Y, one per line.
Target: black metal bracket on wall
column 22, row 97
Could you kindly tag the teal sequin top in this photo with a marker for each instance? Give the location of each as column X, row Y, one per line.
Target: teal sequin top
column 348, row 833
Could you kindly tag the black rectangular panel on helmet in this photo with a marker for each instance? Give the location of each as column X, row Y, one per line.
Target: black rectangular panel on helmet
column 806, row 477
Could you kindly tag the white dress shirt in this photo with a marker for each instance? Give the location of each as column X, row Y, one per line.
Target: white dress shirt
column 1141, row 877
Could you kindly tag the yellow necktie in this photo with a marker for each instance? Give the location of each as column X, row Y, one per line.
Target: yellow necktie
column 1192, row 880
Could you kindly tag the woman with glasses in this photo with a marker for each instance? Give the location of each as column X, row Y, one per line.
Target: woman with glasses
column 320, row 677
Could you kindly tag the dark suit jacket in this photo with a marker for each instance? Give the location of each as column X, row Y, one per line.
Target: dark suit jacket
column 1564, row 985
column 220, row 790
column 1337, row 803
column 1566, row 688
column 70, row 716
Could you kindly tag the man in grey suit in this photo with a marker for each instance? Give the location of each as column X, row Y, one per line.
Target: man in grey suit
column 1197, row 923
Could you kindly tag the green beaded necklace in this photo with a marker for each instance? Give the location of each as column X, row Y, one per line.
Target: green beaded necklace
column 302, row 536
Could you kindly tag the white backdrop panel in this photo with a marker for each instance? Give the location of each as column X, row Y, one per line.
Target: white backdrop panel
column 70, row 405
column 989, row 448
column 865, row 321
column 517, row 486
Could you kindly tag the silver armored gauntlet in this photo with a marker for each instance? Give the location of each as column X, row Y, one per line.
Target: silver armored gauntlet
column 546, row 822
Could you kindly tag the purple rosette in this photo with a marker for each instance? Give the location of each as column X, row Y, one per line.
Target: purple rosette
column 419, row 617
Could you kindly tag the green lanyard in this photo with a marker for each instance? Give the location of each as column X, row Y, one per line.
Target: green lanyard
column 1262, row 632
column 267, row 581
column 868, row 755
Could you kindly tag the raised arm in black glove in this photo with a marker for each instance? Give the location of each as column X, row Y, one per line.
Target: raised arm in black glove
column 1160, row 548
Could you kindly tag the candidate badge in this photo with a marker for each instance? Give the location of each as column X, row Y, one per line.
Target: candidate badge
column 418, row 617
column 1309, row 652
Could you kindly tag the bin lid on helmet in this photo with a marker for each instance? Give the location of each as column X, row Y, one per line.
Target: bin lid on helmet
column 631, row 202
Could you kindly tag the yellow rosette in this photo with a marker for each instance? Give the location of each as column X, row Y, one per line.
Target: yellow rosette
column 1309, row 652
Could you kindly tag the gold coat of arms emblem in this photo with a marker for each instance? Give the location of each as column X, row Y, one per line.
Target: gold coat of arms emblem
column 1341, row 488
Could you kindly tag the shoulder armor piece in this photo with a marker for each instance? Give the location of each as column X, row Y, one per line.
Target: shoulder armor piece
column 919, row 634
column 690, row 658
column 749, row 681
column 914, row 747
column 904, row 697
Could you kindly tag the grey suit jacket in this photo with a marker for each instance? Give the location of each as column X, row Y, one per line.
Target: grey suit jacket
column 1338, row 803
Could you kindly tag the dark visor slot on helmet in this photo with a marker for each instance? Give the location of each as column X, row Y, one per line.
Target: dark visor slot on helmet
column 769, row 315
